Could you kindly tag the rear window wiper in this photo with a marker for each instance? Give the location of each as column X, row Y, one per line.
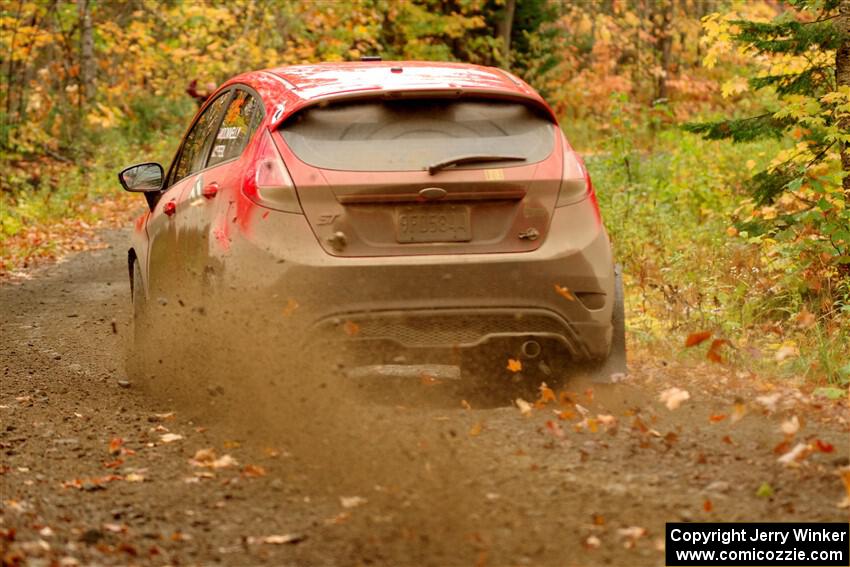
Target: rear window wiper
column 460, row 160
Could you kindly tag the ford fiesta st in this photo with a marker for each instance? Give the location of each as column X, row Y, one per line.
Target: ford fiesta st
column 392, row 211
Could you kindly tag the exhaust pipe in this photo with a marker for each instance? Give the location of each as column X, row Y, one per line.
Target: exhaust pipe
column 530, row 349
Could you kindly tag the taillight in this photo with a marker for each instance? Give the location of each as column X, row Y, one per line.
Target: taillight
column 270, row 185
column 575, row 182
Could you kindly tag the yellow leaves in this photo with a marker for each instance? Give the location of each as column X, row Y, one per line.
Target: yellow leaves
column 768, row 213
column 514, row 365
column 104, row 116
column 805, row 109
column 733, row 86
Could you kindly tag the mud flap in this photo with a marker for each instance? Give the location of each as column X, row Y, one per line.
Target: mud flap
column 615, row 368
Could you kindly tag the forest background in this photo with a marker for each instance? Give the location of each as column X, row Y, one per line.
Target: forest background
column 715, row 132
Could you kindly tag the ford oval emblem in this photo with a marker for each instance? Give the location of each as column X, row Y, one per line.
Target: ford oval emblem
column 432, row 193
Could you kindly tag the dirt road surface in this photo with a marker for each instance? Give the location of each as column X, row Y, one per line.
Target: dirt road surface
column 99, row 471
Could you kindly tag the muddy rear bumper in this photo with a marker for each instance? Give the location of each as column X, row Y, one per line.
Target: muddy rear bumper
column 563, row 291
column 459, row 329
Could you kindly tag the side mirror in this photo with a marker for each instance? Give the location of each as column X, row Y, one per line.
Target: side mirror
column 142, row 178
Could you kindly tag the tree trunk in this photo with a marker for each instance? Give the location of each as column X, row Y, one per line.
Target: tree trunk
column 842, row 78
column 505, row 30
column 86, row 52
column 663, row 20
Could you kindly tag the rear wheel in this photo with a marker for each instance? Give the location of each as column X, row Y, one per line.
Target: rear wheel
column 135, row 360
column 615, row 366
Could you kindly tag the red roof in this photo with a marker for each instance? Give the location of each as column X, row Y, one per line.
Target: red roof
column 315, row 81
column 296, row 86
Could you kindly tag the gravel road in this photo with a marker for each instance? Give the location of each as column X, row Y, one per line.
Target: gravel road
column 96, row 470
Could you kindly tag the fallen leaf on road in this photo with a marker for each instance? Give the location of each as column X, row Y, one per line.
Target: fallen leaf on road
column 697, row 338
column 673, row 397
column 465, row 405
column 565, row 415
column 231, row 444
column 207, row 458
column 592, row 542
column 278, row 539
column 524, row 407
column 717, row 417
column 204, row 456
column 707, row 505
column 170, row 437
column 253, row 471
column 340, row 518
column 609, row 422
column 555, row 429
column 115, row 445
column 764, row 491
column 791, row 426
column 782, row 447
column 514, row 365
column 795, row 455
column 134, row 477
column 631, row 534
column 769, row 401
column 352, row 501
column 476, row 429
column 738, row 412
column 92, row 483
column 823, row 446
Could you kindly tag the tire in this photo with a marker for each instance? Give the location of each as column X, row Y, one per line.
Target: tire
column 136, row 348
column 615, row 367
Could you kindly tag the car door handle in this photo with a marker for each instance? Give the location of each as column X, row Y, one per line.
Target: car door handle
column 169, row 208
column 210, row 190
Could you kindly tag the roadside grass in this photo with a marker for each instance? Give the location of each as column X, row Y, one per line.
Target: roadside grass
column 669, row 210
column 57, row 204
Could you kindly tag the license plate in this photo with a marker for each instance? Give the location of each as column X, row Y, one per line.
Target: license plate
column 433, row 223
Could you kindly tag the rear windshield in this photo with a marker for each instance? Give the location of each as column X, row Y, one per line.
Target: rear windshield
column 413, row 134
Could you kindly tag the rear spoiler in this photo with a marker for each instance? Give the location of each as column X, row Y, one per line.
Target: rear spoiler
column 288, row 110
